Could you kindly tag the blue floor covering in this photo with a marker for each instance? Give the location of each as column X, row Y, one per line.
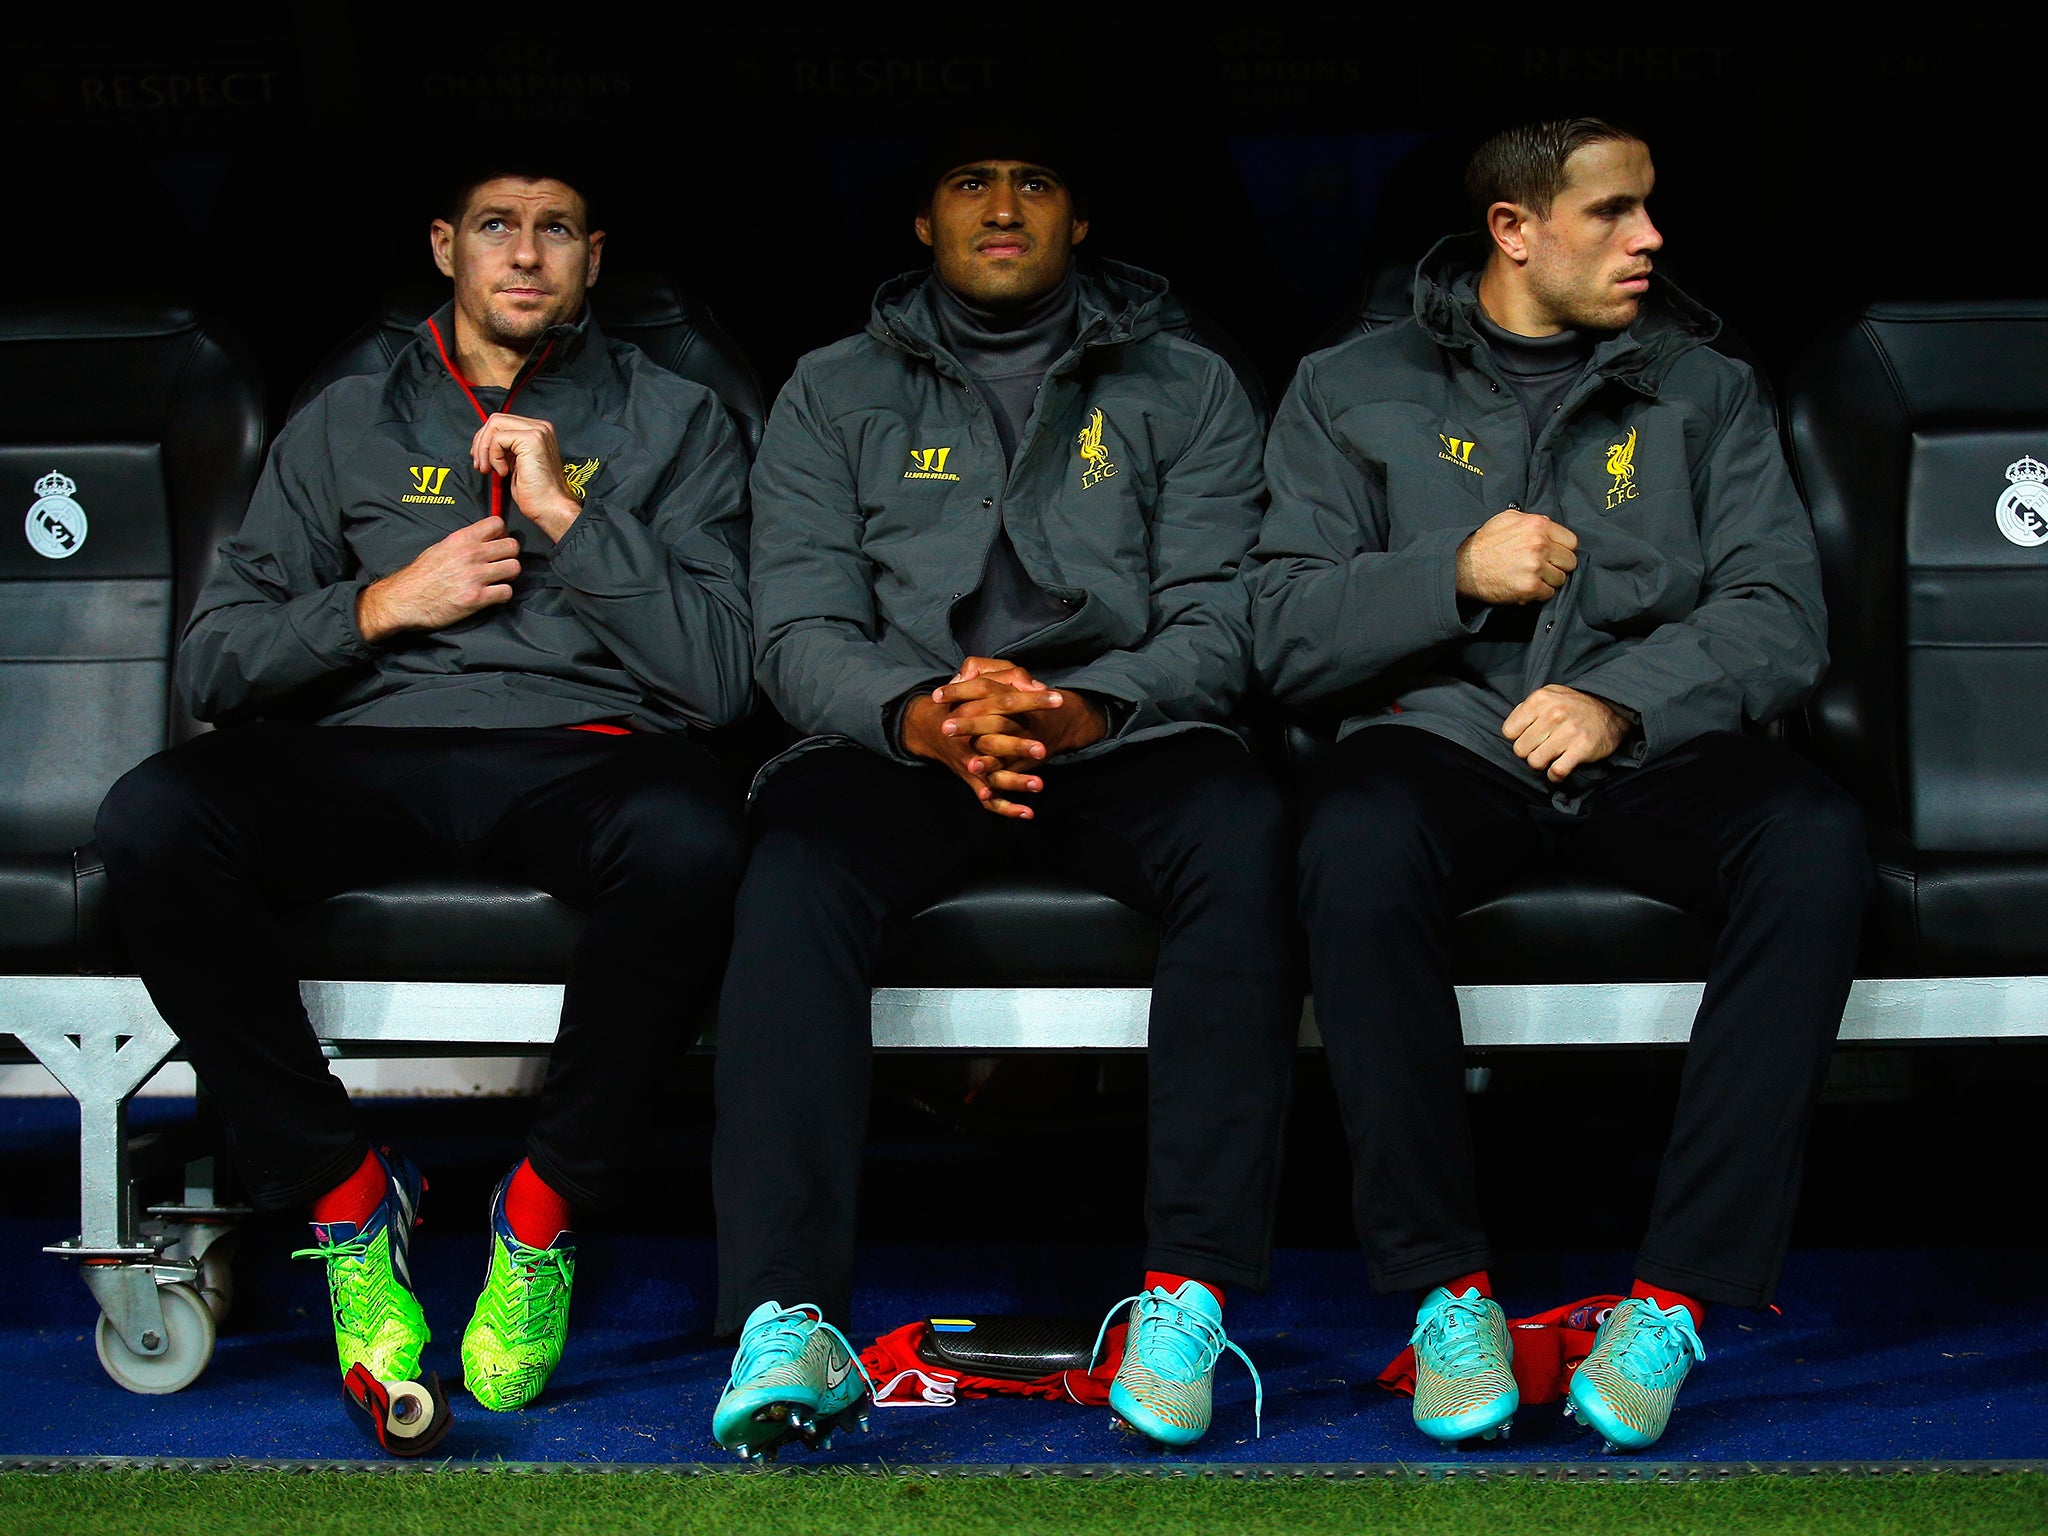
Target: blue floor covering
column 1929, row 1350
column 1876, row 1356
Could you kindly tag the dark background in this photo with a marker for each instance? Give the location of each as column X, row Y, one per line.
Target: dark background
column 280, row 162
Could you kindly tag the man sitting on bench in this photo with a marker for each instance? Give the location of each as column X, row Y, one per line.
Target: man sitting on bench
column 995, row 556
column 1539, row 549
column 478, row 607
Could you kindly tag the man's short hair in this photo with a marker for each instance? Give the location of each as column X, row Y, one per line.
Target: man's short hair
column 1526, row 165
column 461, row 183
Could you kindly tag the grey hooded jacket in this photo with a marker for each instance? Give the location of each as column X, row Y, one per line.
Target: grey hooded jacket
column 638, row 617
column 1697, row 600
column 1133, row 499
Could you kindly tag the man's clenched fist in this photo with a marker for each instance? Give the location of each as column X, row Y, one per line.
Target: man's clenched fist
column 1516, row 557
column 1558, row 729
column 524, row 450
column 470, row 570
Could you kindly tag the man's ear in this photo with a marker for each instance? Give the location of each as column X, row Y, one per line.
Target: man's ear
column 1080, row 232
column 441, row 236
column 1505, row 224
column 595, row 260
column 923, row 225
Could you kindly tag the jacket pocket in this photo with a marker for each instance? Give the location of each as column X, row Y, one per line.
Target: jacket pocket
column 1641, row 571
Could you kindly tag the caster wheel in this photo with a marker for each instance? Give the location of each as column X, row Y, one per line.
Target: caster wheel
column 189, row 1327
column 217, row 1279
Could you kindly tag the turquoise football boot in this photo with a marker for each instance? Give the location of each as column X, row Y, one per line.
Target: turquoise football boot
column 1170, row 1352
column 793, row 1376
column 1464, row 1385
column 1626, row 1387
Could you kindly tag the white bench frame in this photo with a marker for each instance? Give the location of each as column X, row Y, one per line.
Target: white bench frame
column 102, row 1039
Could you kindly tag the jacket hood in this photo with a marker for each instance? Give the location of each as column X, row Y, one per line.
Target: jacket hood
column 1669, row 325
column 1119, row 303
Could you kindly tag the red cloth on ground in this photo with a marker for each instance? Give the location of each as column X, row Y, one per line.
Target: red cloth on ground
column 905, row 1379
column 1548, row 1348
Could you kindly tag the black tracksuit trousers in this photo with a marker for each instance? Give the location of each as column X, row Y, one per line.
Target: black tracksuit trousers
column 1410, row 829
column 845, row 842
column 206, row 845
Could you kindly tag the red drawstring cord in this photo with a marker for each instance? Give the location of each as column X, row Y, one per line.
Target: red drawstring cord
column 497, row 480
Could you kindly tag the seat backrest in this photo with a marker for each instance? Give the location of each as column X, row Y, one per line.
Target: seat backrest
column 1177, row 318
column 131, row 435
column 644, row 308
column 1920, row 437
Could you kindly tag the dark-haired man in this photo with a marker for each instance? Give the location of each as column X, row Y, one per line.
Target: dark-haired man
column 996, row 546
column 478, row 607
column 1539, row 548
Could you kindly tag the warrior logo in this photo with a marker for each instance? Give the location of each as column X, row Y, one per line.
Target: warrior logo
column 427, row 480
column 56, row 523
column 1621, row 463
column 1093, row 454
column 578, row 475
column 2023, row 509
column 1459, row 452
column 929, row 464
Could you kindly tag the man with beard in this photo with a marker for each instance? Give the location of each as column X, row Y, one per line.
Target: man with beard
column 996, row 548
column 1540, row 550
column 478, row 609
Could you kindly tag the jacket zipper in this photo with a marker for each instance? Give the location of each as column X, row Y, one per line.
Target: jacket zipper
column 533, row 366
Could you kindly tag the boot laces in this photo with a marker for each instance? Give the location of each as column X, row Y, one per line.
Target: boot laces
column 1187, row 1342
column 1458, row 1336
column 1656, row 1340
column 780, row 1338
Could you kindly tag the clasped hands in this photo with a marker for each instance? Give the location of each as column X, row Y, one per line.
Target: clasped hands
column 1519, row 557
column 472, row 568
column 994, row 724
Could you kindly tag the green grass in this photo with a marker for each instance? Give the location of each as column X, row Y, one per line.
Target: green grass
column 529, row 1504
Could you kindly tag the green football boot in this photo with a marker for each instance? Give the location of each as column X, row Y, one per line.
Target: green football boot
column 514, row 1339
column 1626, row 1387
column 377, row 1319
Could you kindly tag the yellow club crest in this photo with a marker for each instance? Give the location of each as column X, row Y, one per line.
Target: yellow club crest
column 578, row 475
column 1094, row 457
column 1621, row 463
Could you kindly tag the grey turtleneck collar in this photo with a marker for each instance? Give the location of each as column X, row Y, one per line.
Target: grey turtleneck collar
column 1007, row 352
column 1540, row 370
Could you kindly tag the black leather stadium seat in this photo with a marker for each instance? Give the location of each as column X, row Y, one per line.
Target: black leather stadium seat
column 1919, row 433
column 644, row 308
column 130, row 437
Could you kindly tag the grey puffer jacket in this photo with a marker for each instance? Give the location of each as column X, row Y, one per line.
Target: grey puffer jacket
column 638, row 617
column 1697, row 600
column 1133, row 499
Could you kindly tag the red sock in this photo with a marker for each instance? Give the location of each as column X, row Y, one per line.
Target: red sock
column 1479, row 1280
column 1171, row 1284
column 1669, row 1299
column 355, row 1198
column 534, row 1212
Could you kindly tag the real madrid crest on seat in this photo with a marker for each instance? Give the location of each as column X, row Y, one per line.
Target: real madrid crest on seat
column 56, row 523
column 2023, row 509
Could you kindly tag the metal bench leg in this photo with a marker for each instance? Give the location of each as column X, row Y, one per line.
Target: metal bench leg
column 148, row 1342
